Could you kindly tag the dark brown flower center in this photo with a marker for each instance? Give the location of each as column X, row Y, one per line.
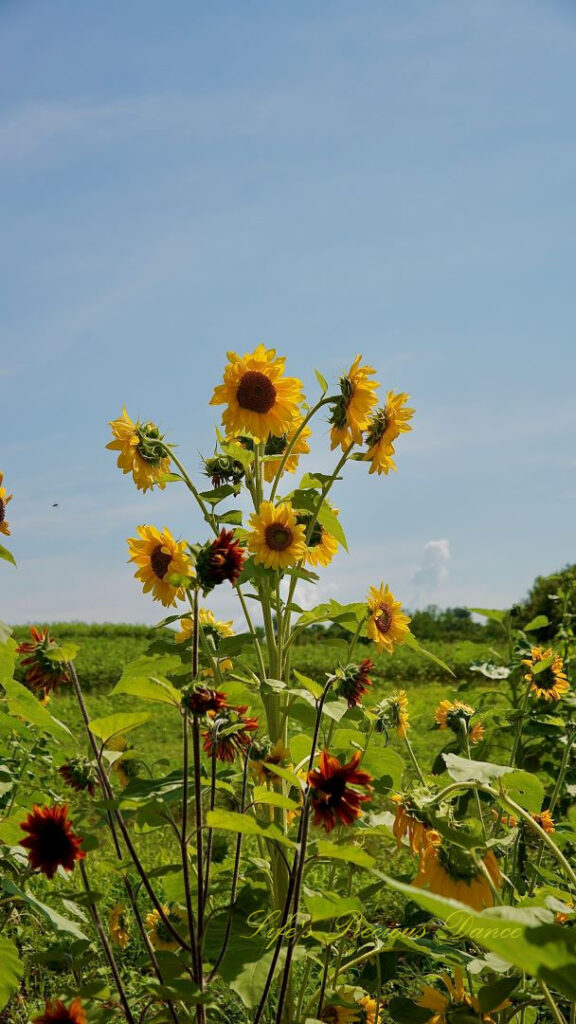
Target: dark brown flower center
column 383, row 620
column 53, row 842
column 278, row 537
column 333, row 789
column 2, row 511
column 160, row 561
column 546, row 680
column 256, row 392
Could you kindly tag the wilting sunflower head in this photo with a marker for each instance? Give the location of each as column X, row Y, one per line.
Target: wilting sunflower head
column 43, row 672
column 385, row 426
column 452, row 871
column 220, row 560
column 456, row 1006
column 411, row 821
column 80, row 774
column 51, row 842
column 276, row 539
column 387, row 625
column 4, row 499
column 392, row 713
column 276, row 446
column 229, row 733
column 164, row 567
column 351, row 411
column 353, row 681
column 142, row 451
column 118, row 924
column 56, row 1012
column 259, row 399
column 455, row 715
column 546, row 674
column 223, row 469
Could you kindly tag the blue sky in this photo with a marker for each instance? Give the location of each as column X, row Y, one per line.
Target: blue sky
column 395, row 179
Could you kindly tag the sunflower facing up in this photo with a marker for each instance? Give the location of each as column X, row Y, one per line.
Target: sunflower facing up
column 385, row 426
column 352, row 409
column 4, row 499
column 259, row 399
column 142, row 451
column 278, row 445
column 551, row 683
column 277, row 539
column 387, row 625
column 451, row 871
column 163, row 565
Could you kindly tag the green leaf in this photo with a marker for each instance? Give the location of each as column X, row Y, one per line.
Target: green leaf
column 538, row 623
column 411, row 641
column 62, row 652
column 329, row 906
column 58, row 922
column 349, row 854
column 231, row 821
column 7, row 555
column 384, row 763
column 330, row 521
column 490, row 996
column 11, row 971
column 322, row 381
column 462, row 770
column 347, row 615
column 115, row 725
column 287, row 774
column 406, row 1012
column 22, row 703
column 525, row 789
column 217, row 494
column 7, row 659
column 309, row 684
column 145, row 678
column 263, row 795
column 490, row 613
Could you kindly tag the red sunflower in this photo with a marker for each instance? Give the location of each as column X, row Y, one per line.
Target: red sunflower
column 333, row 795
column 354, row 681
column 229, row 733
column 41, row 672
column 51, row 841
column 201, row 701
column 219, row 561
column 58, row 1013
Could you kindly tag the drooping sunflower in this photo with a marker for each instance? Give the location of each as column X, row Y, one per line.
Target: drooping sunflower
column 551, row 683
column 276, row 539
column 42, row 672
column 278, row 445
column 455, row 715
column 142, row 451
column 392, row 713
column 258, row 397
column 56, row 1012
column 410, row 821
column 220, row 560
column 457, row 1004
column 128, row 766
column 212, row 628
column 385, row 426
column 118, row 925
column 159, row 935
column 335, row 795
column 229, row 732
column 353, row 681
column 79, row 774
column 163, row 565
column 387, row 625
column 321, row 546
column 51, row 842
column 352, row 409
column 4, row 499
column 264, row 754
column 451, row 871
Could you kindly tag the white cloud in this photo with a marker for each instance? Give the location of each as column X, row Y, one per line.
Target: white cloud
column 432, row 573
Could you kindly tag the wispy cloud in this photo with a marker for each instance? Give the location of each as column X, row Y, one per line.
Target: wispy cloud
column 433, row 571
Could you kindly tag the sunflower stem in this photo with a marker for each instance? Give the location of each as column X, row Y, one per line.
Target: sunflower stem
column 290, row 446
column 106, row 945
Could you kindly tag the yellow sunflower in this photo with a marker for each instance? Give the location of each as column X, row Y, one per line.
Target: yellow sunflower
column 213, row 628
column 345, row 1011
column 551, row 683
column 409, row 821
column 455, row 715
column 278, row 754
column 456, row 1004
column 452, row 872
column 276, row 540
column 387, row 624
column 368, row 1007
column 159, row 935
column 322, row 546
column 546, row 822
column 142, row 451
column 392, row 713
column 352, row 409
column 163, row 565
column 4, row 499
column 278, row 445
column 258, row 397
column 119, row 926
column 385, row 426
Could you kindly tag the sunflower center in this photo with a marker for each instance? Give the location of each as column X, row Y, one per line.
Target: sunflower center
column 545, row 680
column 160, row 561
column 256, row 392
column 278, row 537
column 458, row 863
column 333, row 789
column 383, row 621
column 2, row 511
column 54, row 842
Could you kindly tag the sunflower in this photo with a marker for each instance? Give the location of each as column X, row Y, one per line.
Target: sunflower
column 351, row 410
column 219, row 560
column 385, row 426
column 457, row 1004
column 353, row 681
column 212, row 628
column 118, row 925
column 334, row 796
column 452, row 872
column 277, row 539
column 409, row 821
column 550, row 683
column 265, row 754
column 258, row 397
column 276, row 446
column 163, row 565
column 321, row 546
column 42, row 672
column 79, row 774
column 392, row 713
column 51, row 842
column 58, row 1013
column 201, row 701
column 387, row 624
column 229, row 733
column 142, row 451
column 336, row 1013
column 368, row 1009
column 546, row 822
column 4, row 499
column 224, row 469
column 126, row 767
column 455, row 715
column 159, row 935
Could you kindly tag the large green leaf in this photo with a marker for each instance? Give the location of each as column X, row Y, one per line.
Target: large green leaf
column 146, row 678
column 347, row 615
column 329, row 906
column 411, row 641
column 11, row 970
column 263, row 795
column 58, row 922
column 490, row 613
column 230, row 821
column 461, row 769
column 545, row 951
column 385, row 765
column 22, row 703
column 116, row 725
column 349, row 854
column 7, row 659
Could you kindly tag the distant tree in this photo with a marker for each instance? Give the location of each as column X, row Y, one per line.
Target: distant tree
column 553, row 596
